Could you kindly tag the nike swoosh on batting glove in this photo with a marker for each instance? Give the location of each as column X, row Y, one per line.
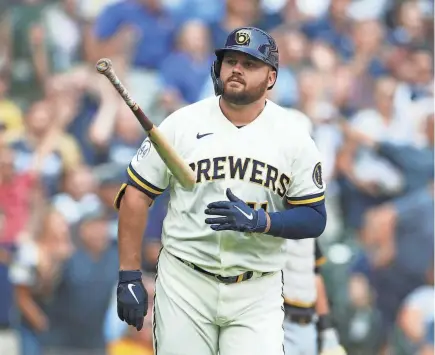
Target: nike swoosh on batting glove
column 132, row 298
column 236, row 215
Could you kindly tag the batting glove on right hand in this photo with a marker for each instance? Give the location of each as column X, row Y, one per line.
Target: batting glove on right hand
column 132, row 298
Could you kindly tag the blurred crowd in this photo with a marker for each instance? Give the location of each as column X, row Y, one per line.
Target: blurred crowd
column 362, row 71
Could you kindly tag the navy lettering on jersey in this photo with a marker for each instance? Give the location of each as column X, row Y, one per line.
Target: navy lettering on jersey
column 248, row 169
column 204, row 166
column 236, row 167
column 257, row 172
column 284, row 181
column 218, row 168
column 271, row 177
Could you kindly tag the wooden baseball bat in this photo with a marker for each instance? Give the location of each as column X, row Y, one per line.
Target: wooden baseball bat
column 179, row 168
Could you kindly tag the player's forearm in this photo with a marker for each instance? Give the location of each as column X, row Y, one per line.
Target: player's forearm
column 133, row 214
column 322, row 306
column 298, row 223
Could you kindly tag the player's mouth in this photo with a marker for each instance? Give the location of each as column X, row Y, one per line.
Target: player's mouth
column 236, row 80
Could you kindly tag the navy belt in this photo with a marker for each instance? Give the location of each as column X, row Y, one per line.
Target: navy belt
column 226, row 280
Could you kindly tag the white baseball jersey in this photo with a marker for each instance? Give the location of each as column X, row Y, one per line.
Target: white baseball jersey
column 304, row 258
column 299, row 280
column 269, row 163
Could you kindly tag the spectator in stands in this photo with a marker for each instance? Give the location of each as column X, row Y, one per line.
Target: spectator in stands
column 409, row 27
column 59, row 150
column 34, row 273
column 18, row 195
column 78, row 196
column 24, row 44
column 140, row 33
column 10, row 113
column 185, row 10
column 325, row 61
column 333, row 28
column 237, row 14
column 415, row 164
column 370, row 179
column 359, row 320
column 398, row 241
column 109, row 177
column 344, row 90
column 192, row 53
column 366, row 59
column 127, row 137
column 293, row 48
column 65, row 45
column 422, row 81
column 80, row 302
column 367, row 56
column 416, row 315
column 93, row 124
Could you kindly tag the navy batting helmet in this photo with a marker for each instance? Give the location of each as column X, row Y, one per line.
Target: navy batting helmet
column 249, row 40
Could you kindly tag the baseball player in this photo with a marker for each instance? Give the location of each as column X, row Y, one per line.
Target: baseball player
column 308, row 327
column 258, row 181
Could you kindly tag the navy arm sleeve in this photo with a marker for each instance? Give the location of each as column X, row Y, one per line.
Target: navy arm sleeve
column 299, row 222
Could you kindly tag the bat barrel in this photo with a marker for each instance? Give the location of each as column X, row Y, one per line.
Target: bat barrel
column 104, row 66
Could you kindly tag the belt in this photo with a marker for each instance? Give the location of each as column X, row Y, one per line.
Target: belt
column 298, row 315
column 226, row 280
column 299, row 319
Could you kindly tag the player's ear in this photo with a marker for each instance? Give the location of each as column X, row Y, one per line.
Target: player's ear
column 272, row 77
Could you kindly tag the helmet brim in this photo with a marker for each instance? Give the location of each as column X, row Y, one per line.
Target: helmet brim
column 243, row 49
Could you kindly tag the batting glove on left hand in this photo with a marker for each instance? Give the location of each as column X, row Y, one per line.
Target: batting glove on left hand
column 132, row 298
column 238, row 216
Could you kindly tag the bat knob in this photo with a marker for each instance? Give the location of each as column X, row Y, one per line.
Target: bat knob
column 103, row 65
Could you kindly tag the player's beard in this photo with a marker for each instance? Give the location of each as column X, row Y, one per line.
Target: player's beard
column 246, row 97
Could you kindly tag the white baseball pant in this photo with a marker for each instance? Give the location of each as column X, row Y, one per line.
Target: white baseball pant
column 195, row 314
column 300, row 339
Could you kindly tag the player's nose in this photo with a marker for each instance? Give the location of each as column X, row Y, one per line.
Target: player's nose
column 237, row 69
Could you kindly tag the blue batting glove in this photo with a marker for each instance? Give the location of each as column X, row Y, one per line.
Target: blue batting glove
column 237, row 216
column 132, row 298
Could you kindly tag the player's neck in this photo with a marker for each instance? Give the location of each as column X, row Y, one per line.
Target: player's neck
column 241, row 115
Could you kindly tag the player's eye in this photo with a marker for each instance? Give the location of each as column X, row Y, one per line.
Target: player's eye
column 231, row 61
column 249, row 64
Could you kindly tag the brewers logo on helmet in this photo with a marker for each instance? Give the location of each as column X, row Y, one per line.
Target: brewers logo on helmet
column 243, row 37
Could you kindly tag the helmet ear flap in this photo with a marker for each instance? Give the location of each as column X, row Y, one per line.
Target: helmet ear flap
column 217, row 82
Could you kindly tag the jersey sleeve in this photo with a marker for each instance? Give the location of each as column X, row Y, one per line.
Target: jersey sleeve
column 147, row 172
column 306, row 184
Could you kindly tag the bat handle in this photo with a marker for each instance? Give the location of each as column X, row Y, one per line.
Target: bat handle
column 104, row 66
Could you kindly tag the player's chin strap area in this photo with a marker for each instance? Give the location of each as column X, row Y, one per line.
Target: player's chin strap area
column 224, row 279
column 217, row 82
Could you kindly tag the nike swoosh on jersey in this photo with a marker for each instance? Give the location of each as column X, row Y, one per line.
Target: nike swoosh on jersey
column 130, row 288
column 248, row 216
column 199, row 136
